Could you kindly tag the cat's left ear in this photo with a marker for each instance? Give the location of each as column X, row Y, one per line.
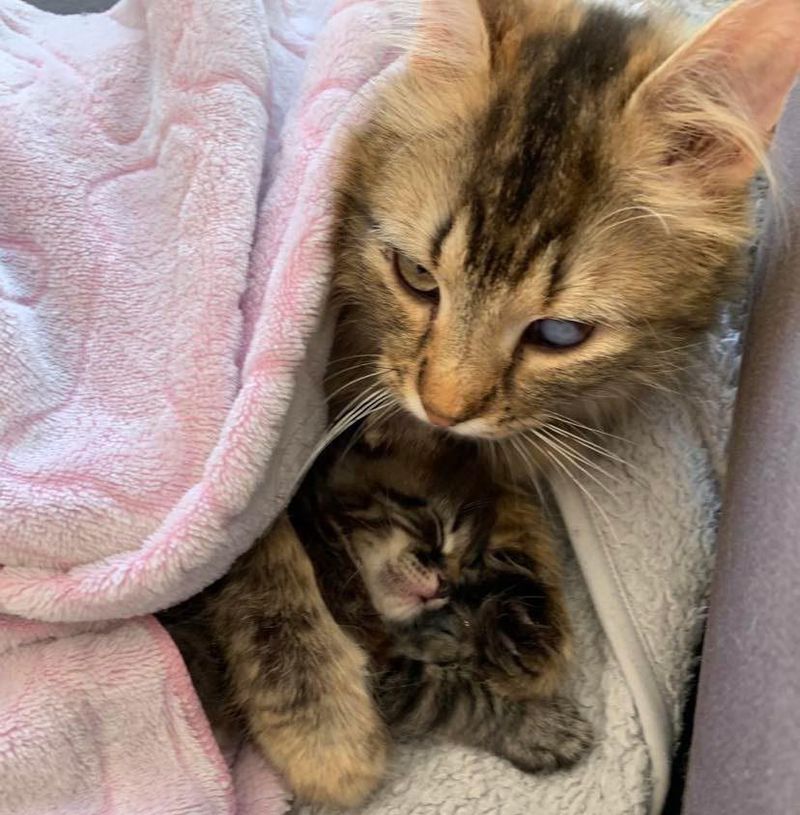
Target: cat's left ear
column 717, row 99
column 448, row 55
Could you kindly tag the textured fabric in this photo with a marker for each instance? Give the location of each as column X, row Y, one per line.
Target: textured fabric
column 164, row 196
column 745, row 756
column 101, row 718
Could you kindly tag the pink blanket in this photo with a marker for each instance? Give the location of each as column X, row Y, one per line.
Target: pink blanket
column 164, row 198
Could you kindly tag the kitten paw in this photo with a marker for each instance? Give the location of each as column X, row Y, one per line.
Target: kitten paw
column 552, row 735
column 524, row 644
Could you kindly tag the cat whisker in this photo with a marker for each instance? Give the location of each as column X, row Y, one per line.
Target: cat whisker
column 351, row 357
column 340, row 371
column 561, row 450
column 587, row 493
column 631, row 208
column 349, row 384
column 590, row 445
column 575, row 455
column 647, row 213
column 374, row 399
column 559, row 417
column 529, row 466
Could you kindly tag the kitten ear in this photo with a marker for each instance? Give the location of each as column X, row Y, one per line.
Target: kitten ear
column 717, row 99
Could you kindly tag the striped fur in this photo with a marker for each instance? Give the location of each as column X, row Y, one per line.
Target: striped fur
column 483, row 663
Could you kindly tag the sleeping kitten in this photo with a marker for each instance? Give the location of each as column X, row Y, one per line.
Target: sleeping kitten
column 538, row 219
column 464, row 625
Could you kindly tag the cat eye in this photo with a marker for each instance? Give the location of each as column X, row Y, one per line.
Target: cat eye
column 556, row 333
column 415, row 277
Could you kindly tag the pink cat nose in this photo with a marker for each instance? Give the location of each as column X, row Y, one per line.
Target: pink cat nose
column 437, row 590
column 437, row 418
column 427, row 591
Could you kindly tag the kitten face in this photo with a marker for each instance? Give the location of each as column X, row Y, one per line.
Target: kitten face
column 408, row 557
column 529, row 239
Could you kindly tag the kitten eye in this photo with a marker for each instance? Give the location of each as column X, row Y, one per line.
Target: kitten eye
column 556, row 333
column 415, row 277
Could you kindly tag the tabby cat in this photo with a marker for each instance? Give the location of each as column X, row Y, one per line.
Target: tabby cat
column 421, row 562
column 538, row 219
column 463, row 623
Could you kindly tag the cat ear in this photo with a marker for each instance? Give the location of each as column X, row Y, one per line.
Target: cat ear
column 446, row 66
column 449, row 40
column 717, row 99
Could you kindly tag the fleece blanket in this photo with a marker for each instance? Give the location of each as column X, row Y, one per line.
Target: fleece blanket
column 164, row 201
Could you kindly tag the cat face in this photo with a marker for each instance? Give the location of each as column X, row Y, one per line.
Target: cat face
column 536, row 224
column 446, row 593
column 408, row 555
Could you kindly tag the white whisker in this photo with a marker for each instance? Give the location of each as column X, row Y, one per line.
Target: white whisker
column 575, row 460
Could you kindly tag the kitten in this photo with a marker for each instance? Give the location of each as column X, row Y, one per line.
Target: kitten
column 464, row 626
column 537, row 220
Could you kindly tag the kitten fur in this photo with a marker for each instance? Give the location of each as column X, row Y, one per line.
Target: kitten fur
column 462, row 616
column 538, row 159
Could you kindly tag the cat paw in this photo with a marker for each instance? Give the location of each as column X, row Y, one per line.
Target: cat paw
column 339, row 761
column 523, row 641
column 340, row 778
column 552, row 735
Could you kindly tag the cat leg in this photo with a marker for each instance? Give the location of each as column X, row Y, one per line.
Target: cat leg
column 453, row 702
column 300, row 682
column 536, row 735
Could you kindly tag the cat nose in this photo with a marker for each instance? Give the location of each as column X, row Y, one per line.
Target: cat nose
column 437, row 418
